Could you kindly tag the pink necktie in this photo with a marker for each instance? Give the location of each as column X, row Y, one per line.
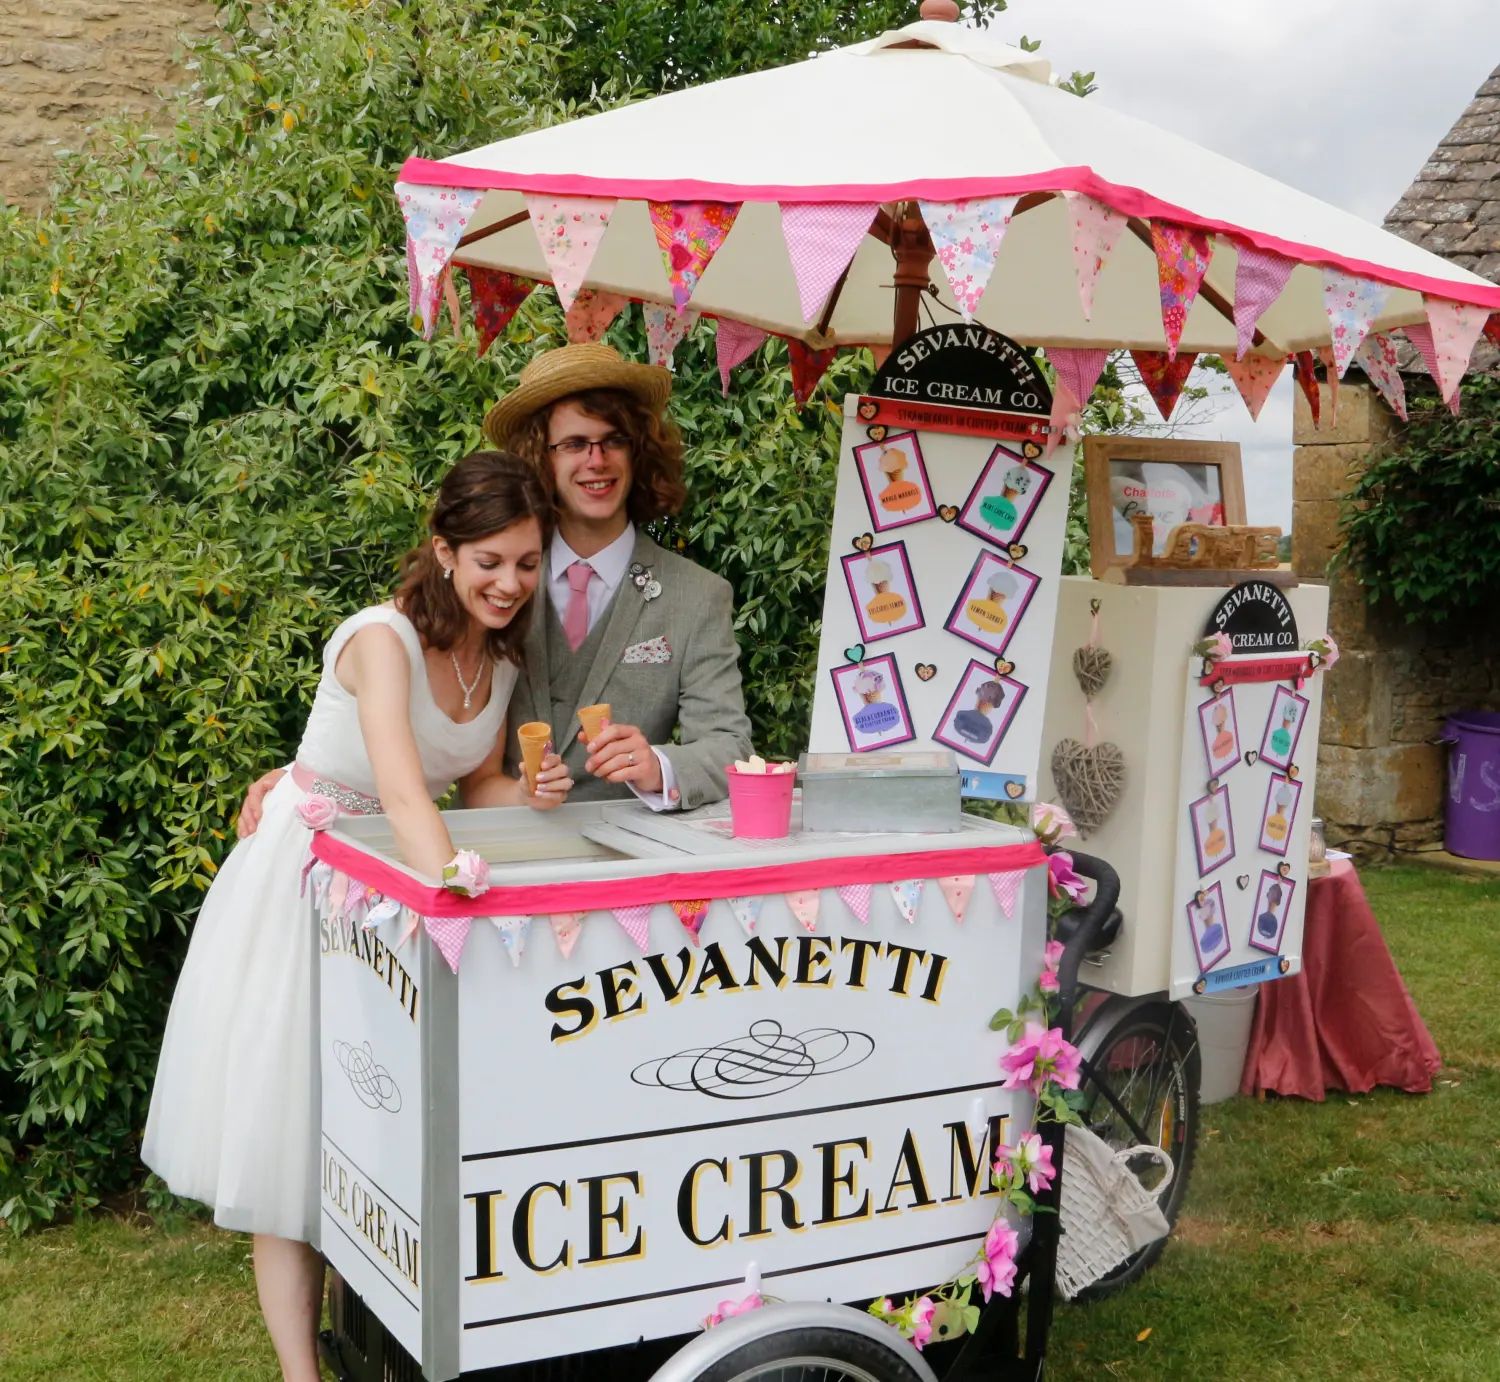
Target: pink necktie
column 576, row 620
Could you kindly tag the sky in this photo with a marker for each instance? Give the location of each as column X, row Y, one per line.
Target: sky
column 1342, row 100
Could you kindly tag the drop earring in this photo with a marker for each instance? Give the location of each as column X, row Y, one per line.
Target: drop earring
column 447, row 573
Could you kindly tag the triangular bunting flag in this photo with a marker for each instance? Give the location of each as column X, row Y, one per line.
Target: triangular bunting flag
column 805, row 907
column 569, row 230
column 381, row 910
column 1096, row 227
column 821, row 238
column 592, row 314
column 1078, row 369
column 1258, row 282
column 1007, row 887
column 908, row 897
column 1455, row 327
column 735, row 342
column 338, row 892
column 691, row 915
column 1164, row 379
column 319, row 880
column 1377, row 358
column 566, row 928
column 665, row 329
column 1255, row 376
column 1352, row 304
column 1065, row 421
column 496, row 296
column 856, row 897
column 689, row 234
column 747, row 911
column 436, row 218
column 967, row 236
column 957, row 889
column 354, row 902
column 636, row 923
column 1305, row 363
column 449, row 934
column 1331, row 374
column 450, row 296
column 1492, row 329
column 413, row 921
column 808, row 367
column 1182, row 258
column 513, row 936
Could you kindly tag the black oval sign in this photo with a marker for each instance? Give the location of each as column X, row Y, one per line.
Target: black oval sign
column 965, row 366
column 1257, row 618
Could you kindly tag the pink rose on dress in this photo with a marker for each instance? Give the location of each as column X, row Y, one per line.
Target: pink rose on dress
column 317, row 812
column 467, row 873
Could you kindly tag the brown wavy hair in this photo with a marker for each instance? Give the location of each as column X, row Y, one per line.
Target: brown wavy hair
column 656, row 488
column 486, row 492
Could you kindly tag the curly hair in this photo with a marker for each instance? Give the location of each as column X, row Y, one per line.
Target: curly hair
column 656, row 488
column 486, row 492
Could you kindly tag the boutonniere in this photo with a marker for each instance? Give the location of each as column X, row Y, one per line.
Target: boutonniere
column 645, row 582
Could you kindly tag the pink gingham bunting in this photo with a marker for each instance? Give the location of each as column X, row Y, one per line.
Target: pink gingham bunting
column 636, row 923
column 821, row 238
column 856, row 897
column 1078, row 369
column 449, row 934
column 1007, row 888
column 1258, row 281
column 735, row 343
column 569, row 230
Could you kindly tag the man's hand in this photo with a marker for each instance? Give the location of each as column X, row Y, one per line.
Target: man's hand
column 620, row 753
column 249, row 818
column 552, row 785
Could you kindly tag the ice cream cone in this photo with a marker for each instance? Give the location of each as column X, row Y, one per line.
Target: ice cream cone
column 534, row 738
column 592, row 718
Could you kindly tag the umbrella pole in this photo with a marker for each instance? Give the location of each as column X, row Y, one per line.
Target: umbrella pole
column 912, row 247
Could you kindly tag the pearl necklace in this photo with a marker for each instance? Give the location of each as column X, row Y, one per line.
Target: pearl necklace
column 464, row 686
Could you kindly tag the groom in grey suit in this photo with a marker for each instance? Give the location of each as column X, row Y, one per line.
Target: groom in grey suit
column 619, row 619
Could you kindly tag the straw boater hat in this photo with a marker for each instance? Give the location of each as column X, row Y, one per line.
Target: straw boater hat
column 571, row 369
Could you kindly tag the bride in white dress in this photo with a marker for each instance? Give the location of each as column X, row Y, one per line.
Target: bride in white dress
column 412, row 698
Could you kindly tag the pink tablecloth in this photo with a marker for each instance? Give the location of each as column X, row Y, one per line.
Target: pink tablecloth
column 1346, row 1021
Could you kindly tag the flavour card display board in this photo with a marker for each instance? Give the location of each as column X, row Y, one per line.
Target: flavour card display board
column 1249, row 752
column 941, row 595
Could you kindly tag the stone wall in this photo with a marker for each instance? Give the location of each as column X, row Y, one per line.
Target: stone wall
column 67, row 63
column 1380, row 771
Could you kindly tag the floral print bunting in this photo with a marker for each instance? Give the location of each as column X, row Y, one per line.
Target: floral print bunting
column 1182, row 258
column 689, row 234
column 569, row 230
column 967, row 236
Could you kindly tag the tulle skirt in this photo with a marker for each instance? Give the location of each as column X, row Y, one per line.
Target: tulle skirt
column 235, row 1110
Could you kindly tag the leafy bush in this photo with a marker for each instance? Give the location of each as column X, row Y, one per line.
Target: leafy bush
column 1422, row 522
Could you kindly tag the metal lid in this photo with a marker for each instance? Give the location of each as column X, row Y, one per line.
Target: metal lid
column 833, row 766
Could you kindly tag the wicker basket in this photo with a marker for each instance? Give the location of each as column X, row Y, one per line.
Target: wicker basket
column 1107, row 1214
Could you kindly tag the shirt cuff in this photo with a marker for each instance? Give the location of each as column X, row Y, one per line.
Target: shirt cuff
column 662, row 800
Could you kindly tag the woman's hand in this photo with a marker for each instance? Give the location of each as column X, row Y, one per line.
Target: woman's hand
column 620, row 753
column 248, row 821
column 552, row 785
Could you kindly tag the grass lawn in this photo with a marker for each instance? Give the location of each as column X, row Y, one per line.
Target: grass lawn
column 1357, row 1239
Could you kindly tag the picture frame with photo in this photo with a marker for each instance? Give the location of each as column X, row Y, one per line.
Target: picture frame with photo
column 873, row 704
column 1007, row 493
column 1278, row 745
column 1273, row 904
column 991, row 603
column 1213, row 831
column 1208, row 923
column 883, row 592
column 979, row 712
column 1283, row 796
column 1220, row 727
column 893, row 474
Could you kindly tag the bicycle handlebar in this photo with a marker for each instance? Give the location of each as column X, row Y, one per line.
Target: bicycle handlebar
column 1079, row 930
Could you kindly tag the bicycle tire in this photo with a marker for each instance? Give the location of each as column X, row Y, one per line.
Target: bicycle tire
column 1172, row 1121
column 836, row 1355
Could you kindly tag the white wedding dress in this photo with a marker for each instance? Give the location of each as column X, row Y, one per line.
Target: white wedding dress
column 234, row 1113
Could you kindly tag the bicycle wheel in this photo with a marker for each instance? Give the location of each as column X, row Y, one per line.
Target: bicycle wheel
column 812, row 1355
column 1142, row 1087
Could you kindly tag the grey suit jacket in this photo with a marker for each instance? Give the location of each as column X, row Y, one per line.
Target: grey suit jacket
column 698, row 690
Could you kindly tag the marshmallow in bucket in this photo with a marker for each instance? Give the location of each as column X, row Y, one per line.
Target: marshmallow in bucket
column 757, row 764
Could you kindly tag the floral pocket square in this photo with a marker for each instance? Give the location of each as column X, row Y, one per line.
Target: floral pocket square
column 652, row 651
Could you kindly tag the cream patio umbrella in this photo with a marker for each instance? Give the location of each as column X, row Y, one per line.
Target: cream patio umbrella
column 952, row 131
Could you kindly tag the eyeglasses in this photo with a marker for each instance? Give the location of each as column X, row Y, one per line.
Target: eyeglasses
column 616, row 447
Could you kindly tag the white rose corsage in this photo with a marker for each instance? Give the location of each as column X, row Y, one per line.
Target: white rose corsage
column 466, row 873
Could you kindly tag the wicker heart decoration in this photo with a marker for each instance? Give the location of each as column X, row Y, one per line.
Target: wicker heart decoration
column 1092, row 666
column 1089, row 781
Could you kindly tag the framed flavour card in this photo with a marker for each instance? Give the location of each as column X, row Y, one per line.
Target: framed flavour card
column 884, row 594
column 1210, row 930
column 1273, row 900
column 1221, row 732
column 873, row 704
column 979, row 712
column 1282, row 797
column 1278, row 745
column 894, row 477
column 1005, row 496
column 991, row 603
column 1213, row 831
